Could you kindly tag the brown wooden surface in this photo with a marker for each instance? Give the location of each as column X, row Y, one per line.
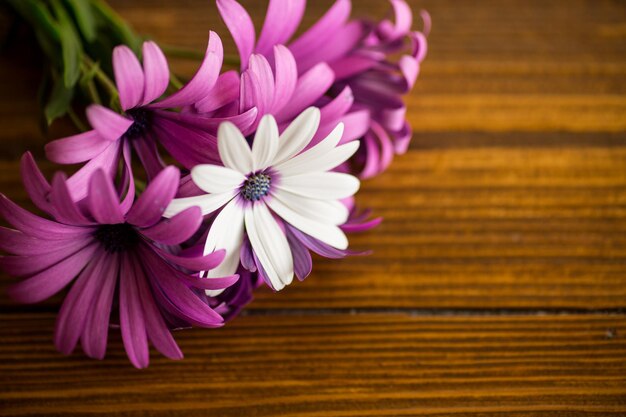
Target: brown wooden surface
column 498, row 282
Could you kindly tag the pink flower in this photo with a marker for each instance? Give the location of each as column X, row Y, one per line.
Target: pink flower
column 359, row 54
column 115, row 253
column 190, row 139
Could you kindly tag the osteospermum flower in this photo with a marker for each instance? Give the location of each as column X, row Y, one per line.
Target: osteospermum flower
column 277, row 89
column 362, row 56
column 114, row 255
column 263, row 190
column 146, row 122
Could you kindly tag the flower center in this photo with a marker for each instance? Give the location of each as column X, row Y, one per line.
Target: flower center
column 117, row 237
column 141, row 123
column 256, row 187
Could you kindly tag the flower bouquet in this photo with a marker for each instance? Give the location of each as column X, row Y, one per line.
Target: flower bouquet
column 192, row 195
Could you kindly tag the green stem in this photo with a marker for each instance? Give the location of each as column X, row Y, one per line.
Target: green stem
column 175, row 82
column 92, row 91
column 76, row 120
column 104, row 81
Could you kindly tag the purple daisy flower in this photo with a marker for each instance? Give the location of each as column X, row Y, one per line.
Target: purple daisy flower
column 190, row 139
column 114, row 254
column 274, row 197
column 276, row 88
column 358, row 53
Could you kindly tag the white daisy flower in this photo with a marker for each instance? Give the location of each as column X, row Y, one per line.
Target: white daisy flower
column 274, row 182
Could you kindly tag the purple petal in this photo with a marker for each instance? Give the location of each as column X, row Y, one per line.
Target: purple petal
column 175, row 295
column 95, row 334
column 148, row 154
column 52, row 280
column 109, row 125
column 226, row 90
column 77, row 148
column 200, row 263
column 72, row 316
column 240, row 27
column 409, row 67
column 65, row 209
column 210, row 125
column 355, row 124
column 18, row 243
column 245, row 255
column 351, row 65
column 35, row 183
column 36, row 226
column 129, row 76
column 302, row 263
column 177, row 229
column 107, row 161
column 128, row 180
column 286, row 76
column 157, row 73
column 103, row 201
column 311, row 86
column 361, row 227
column 339, row 106
column 316, row 245
column 32, row 264
column 344, row 40
column 132, row 321
column 202, row 82
column 150, row 206
column 261, row 74
column 189, row 146
column 281, row 21
column 403, row 21
column 321, row 34
column 157, row 330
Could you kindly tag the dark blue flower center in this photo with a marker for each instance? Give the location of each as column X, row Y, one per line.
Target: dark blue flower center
column 256, row 187
column 116, row 237
column 141, row 123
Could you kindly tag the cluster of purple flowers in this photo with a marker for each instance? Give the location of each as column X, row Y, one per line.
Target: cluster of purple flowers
column 269, row 157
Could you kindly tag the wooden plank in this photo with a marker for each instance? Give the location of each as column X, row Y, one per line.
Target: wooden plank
column 332, row 365
column 499, row 221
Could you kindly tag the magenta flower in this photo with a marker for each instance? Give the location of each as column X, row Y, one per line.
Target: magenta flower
column 115, row 254
column 357, row 51
column 276, row 89
column 267, row 192
column 189, row 138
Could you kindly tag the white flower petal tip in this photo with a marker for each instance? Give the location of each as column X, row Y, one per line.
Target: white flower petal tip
column 265, row 143
column 215, row 179
column 233, row 148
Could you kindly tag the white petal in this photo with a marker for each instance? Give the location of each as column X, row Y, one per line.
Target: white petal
column 233, row 148
column 322, row 157
column 298, row 134
column 327, row 233
column 265, row 143
column 322, row 211
column 321, row 185
column 270, row 245
column 216, row 179
column 226, row 233
column 208, row 203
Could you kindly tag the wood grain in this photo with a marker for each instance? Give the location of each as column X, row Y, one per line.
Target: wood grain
column 337, row 365
column 497, row 285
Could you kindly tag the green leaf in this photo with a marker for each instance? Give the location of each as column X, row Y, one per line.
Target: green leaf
column 112, row 21
column 71, row 47
column 83, row 13
column 59, row 101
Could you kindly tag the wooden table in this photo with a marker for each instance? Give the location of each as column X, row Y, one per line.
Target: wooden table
column 498, row 282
